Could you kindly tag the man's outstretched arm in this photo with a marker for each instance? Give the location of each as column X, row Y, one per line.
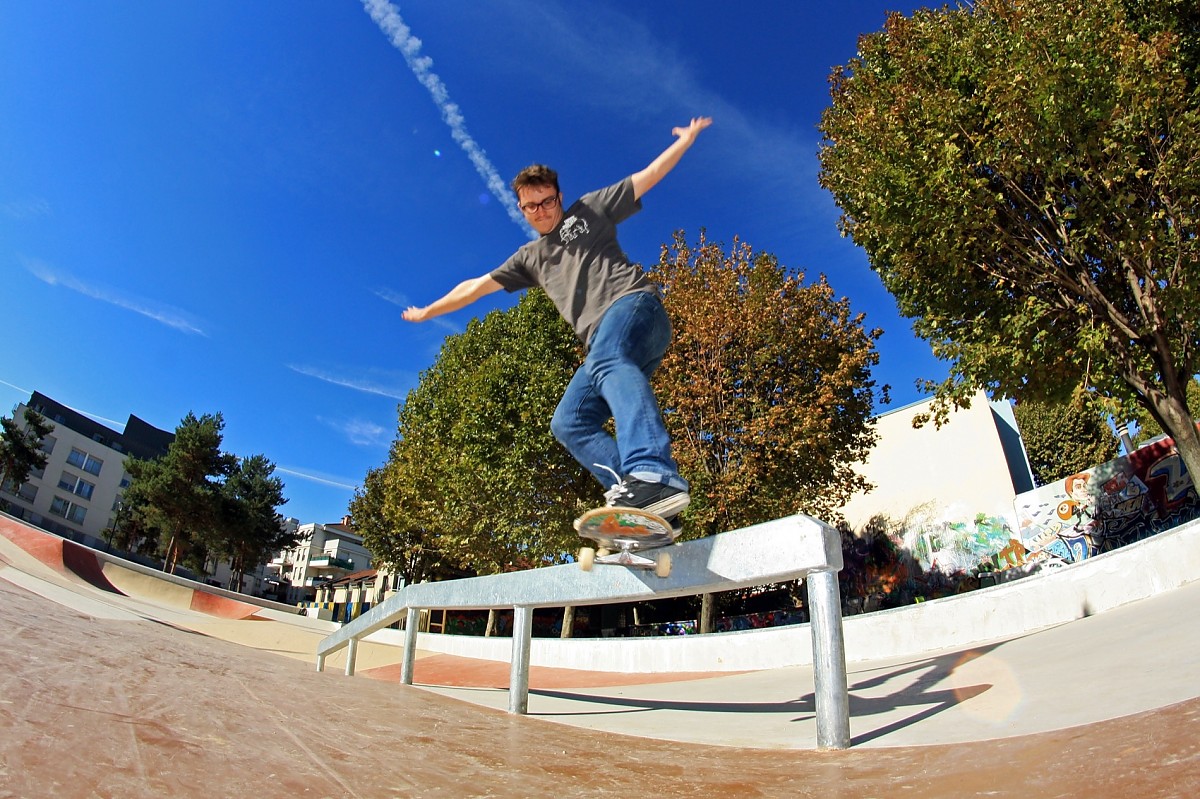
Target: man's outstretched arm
column 646, row 179
column 460, row 296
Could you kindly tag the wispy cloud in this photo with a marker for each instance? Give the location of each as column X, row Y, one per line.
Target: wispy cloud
column 318, row 477
column 394, row 297
column 97, row 417
column 161, row 313
column 387, row 17
column 360, row 432
column 25, row 210
column 385, row 384
column 632, row 72
column 89, row 414
column 402, row 301
column 16, row 388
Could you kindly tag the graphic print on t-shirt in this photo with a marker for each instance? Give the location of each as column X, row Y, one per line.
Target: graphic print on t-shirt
column 572, row 228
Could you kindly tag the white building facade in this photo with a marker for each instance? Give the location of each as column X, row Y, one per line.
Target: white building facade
column 77, row 494
column 324, row 552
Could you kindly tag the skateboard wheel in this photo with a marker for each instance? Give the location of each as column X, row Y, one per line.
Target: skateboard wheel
column 662, row 564
column 603, row 552
column 587, row 556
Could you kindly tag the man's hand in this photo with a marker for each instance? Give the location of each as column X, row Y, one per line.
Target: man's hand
column 692, row 130
column 463, row 294
column 649, row 177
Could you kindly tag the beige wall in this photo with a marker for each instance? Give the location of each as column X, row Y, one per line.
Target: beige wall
column 943, row 475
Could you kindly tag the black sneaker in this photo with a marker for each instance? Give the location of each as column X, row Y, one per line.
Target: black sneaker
column 657, row 498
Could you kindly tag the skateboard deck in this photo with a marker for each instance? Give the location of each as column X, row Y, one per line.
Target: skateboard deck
column 620, row 533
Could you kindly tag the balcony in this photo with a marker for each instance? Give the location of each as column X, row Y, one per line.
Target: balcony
column 330, row 562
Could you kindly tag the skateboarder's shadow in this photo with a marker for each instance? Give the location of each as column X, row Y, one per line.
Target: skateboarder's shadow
column 879, row 692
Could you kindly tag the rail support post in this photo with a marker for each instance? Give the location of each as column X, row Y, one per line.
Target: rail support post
column 412, row 623
column 518, row 681
column 829, row 661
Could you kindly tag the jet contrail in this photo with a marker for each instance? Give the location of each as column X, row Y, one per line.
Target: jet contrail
column 387, row 17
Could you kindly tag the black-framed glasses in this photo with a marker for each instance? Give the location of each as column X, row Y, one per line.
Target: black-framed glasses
column 545, row 205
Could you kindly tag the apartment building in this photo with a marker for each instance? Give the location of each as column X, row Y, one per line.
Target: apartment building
column 77, row 494
column 323, row 553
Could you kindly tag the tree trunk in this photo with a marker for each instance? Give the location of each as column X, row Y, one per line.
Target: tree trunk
column 568, row 624
column 168, row 567
column 1173, row 416
column 490, row 630
column 706, row 613
column 237, row 578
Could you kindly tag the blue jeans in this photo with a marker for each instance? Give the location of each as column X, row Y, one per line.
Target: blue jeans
column 614, row 382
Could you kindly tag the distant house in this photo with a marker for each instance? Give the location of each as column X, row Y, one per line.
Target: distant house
column 346, row 598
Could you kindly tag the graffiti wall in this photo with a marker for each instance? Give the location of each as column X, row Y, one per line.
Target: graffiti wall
column 1109, row 506
column 945, row 538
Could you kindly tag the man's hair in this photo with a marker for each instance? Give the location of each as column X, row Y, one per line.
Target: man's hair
column 536, row 175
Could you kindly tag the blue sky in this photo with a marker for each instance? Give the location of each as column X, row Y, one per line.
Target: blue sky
column 224, row 205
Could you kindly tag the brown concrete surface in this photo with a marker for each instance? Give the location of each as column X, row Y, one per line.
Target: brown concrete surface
column 105, row 708
column 105, row 695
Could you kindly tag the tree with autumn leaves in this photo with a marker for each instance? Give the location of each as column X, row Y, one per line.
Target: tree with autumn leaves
column 766, row 392
column 766, row 389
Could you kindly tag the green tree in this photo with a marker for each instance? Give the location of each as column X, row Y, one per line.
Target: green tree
column 1065, row 438
column 21, row 448
column 1024, row 176
column 179, row 493
column 399, row 540
column 476, row 463
column 250, row 526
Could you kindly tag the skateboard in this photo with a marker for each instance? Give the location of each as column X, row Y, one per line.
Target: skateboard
column 620, row 533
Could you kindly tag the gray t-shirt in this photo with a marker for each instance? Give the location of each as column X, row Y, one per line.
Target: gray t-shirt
column 579, row 264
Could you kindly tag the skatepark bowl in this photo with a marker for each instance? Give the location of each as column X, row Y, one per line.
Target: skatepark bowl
column 118, row 682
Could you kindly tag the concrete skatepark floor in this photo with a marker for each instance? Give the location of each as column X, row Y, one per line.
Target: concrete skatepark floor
column 118, row 698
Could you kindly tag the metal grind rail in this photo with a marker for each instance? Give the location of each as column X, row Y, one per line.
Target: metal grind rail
column 784, row 549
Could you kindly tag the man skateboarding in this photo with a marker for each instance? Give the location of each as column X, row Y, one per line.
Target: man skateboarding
column 615, row 311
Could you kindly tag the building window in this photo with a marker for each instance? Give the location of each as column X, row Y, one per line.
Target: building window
column 81, row 460
column 48, row 443
column 26, row 491
column 76, row 485
column 68, row 510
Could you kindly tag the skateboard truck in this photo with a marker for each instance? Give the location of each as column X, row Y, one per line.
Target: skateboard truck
column 619, row 534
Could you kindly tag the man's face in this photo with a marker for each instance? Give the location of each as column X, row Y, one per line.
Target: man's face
column 542, row 207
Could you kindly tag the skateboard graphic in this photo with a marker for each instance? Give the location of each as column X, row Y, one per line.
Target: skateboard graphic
column 620, row 533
